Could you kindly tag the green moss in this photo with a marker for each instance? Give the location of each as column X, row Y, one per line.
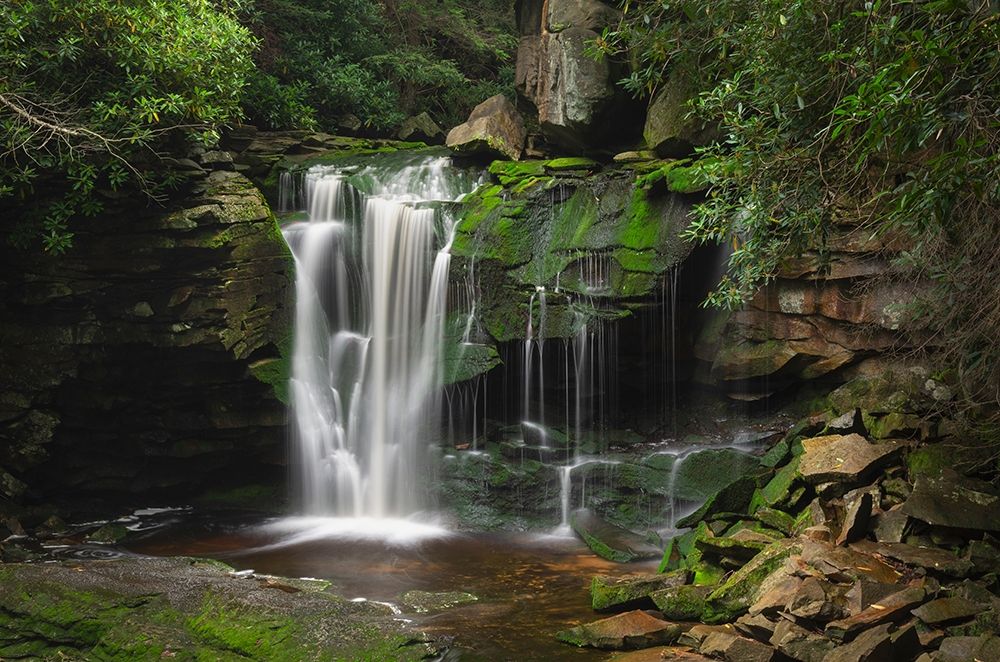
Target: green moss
column 734, row 597
column 777, row 489
column 641, row 230
column 682, row 603
column 929, row 460
column 571, row 163
column 275, row 372
column 244, row 633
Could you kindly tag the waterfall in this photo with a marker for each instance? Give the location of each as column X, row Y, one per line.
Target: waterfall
column 371, row 287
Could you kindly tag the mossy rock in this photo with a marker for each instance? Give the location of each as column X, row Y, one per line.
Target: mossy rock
column 778, row 489
column 631, row 592
column 682, row 603
column 151, row 609
column 734, row 597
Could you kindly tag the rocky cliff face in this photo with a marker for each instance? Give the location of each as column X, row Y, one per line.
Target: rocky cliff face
column 579, row 105
column 140, row 365
column 826, row 317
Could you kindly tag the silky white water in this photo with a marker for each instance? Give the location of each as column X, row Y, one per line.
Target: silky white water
column 371, row 287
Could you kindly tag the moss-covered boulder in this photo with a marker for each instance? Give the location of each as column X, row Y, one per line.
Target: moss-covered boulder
column 632, row 592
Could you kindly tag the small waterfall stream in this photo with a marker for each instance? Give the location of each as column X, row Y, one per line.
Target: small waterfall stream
column 372, row 279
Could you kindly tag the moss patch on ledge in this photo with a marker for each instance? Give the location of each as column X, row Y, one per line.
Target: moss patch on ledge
column 150, row 609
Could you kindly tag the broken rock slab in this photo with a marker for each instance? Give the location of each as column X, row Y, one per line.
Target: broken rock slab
column 735, row 647
column 844, row 459
column 628, row 631
column 609, row 541
column 635, row 591
column 931, row 558
column 896, row 607
column 945, row 611
column 952, row 500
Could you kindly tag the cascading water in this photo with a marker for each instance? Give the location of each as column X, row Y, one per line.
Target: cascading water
column 372, row 278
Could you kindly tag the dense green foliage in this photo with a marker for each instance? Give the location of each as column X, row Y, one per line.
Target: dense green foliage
column 877, row 114
column 86, row 87
column 380, row 61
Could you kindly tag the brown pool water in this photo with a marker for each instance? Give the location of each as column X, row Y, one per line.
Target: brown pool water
column 529, row 586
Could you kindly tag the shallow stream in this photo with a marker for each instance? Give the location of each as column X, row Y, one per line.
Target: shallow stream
column 529, row 586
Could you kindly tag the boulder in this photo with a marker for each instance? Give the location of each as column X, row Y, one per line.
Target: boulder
column 816, row 600
column 856, row 519
column 633, row 591
column 841, row 564
column 669, row 129
column 633, row 629
column 575, row 94
column 421, row 128
column 609, row 541
column 949, row 499
column 890, row 526
column 494, row 128
column 757, row 627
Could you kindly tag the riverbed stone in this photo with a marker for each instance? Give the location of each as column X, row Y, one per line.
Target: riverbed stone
column 948, row 499
column 631, row 630
column 661, row 654
column 633, row 591
column 423, row 602
column 609, row 541
column 494, row 128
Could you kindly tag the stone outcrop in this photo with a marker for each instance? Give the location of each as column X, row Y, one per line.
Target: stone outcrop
column 827, row 318
column 494, row 128
column 140, row 364
column 578, row 104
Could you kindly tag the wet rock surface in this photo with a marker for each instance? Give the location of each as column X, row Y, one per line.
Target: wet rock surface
column 144, row 609
column 148, row 358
